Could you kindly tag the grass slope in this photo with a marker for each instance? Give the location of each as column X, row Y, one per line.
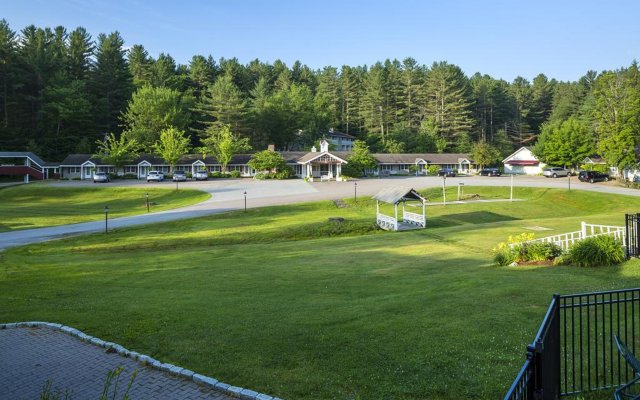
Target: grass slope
column 36, row 206
column 284, row 302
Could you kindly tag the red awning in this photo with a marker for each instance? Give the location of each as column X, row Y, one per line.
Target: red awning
column 523, row 162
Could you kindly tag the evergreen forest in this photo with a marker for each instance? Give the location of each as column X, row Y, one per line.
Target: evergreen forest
column 61, row 91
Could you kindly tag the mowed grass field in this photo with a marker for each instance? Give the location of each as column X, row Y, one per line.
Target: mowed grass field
column 38, row 205
column 282, row 301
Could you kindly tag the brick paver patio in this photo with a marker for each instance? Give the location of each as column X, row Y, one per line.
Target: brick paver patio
column 31, row 356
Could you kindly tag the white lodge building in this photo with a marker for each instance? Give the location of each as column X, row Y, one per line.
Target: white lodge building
column 523, row 162
column 322, row 165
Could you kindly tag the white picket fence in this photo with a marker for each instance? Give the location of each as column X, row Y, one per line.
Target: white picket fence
column 566, row 240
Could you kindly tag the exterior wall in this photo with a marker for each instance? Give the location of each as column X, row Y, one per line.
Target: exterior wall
column 523, row 169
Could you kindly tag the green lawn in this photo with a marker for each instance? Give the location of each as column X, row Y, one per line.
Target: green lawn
column 39, row 205
column 284, row 302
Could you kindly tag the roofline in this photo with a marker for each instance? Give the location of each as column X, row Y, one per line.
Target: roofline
column 519, row 150
column 320, row 155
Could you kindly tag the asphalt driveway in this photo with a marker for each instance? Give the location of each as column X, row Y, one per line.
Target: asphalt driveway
column 228, row 194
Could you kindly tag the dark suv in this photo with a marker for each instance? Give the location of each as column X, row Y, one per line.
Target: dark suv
column 490, row 172
column 592, row 176
column 448, row 172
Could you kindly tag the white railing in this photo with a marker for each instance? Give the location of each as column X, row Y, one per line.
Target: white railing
column 387, row 222
column 567, row 240
column 413, row 218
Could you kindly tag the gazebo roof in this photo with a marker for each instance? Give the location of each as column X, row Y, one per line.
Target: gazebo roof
column 394, row 195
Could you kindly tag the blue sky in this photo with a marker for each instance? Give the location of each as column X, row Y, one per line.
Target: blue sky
column 562, row 39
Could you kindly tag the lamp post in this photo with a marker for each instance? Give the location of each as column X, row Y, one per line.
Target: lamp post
column 569, row 180
column 147, row 201
column 355, row 191
column 245, row 201
column 106, row 219
column 444, row 193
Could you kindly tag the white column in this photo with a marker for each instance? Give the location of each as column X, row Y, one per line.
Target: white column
column 395, row 206
column 584, row 229
column 424, row 215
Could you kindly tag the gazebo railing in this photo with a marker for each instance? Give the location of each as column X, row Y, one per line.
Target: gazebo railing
column 413, row 218
column 387, row 222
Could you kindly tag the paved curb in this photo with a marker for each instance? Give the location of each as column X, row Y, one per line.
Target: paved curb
column 146, row 360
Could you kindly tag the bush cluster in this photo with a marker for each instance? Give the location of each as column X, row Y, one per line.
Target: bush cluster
column 283, row 173
column 597, row 251
column 594, row 251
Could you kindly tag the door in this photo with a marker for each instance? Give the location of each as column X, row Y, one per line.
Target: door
column 86, row 173
column 142, row 171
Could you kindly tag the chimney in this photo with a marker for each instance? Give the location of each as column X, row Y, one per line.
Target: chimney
column 330, row 130
column 271, row 147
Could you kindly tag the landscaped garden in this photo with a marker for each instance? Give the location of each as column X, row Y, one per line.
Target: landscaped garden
column 39, row 205
column 286, row 302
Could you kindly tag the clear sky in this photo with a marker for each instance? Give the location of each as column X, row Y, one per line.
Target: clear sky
column 562, row 39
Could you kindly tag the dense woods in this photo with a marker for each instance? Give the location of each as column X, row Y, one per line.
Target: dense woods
column 61, row 90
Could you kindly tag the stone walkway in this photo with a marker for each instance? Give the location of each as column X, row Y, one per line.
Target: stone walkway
column 31, row 356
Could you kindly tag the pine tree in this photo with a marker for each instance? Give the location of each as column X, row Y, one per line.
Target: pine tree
column 139, row 65
column 110, row 82
column 447, row 101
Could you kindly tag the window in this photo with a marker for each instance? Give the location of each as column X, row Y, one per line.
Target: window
column 386, row 167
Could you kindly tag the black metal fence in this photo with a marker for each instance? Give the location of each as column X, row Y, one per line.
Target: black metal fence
column 632, row 233
column 574, row 350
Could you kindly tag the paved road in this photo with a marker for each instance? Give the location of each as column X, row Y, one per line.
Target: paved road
column 31, row 356
column 229, row 195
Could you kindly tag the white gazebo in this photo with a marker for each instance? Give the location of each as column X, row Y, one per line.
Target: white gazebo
column 395, row 196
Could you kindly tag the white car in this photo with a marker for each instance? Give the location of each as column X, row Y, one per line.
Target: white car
column 554, row 172
column 201, row 175
column 100, row 177
column 155, row 176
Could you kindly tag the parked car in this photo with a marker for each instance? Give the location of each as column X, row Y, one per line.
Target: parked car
column 554, row 172
column 201, row 175
column 490, row 172
column 179, row 176
column 447, row 172
column 101, row 177
column 155, row 176
column 592, row 176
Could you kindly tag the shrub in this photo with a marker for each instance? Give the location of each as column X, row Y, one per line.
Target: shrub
column 597, row 251
column 433, row 170
column 113, row 176
column 541, row 251
column 284, row 173
column 215, row 174
column 503, row 255
column 129, row 175
column 235, row 174
column 516, row 250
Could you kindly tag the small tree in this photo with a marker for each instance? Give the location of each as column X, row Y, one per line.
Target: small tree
column 360, row 160
column 117, row 152
column 223, row 144
column 484, row 154
column 267, row 161
column 172, row 145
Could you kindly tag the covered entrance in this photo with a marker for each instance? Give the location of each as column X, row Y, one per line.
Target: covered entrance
column 323, row 166
column 87, row 169
column 408, row 198
column 143, row 169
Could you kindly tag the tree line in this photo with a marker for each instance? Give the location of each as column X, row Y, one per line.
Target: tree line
column 61, row 91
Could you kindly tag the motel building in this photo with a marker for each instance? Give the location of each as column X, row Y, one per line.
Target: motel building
column 315, row 165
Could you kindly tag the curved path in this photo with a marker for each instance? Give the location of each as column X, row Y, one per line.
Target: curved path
column 228, row 195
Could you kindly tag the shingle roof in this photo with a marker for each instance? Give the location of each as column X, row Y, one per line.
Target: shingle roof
column 18, row 154
column 395, row 194
column 430, row 158
column 340, row 134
